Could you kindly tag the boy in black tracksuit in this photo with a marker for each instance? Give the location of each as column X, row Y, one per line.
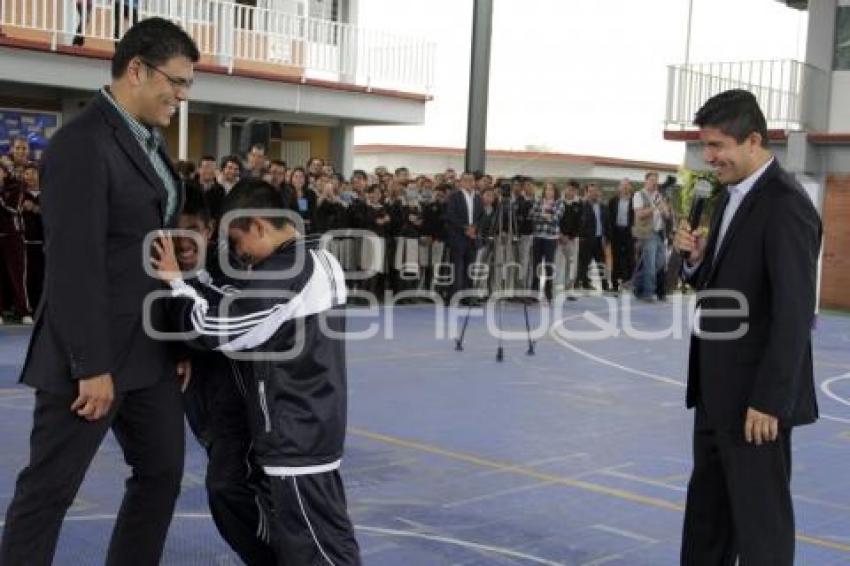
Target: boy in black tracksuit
column 285, row 335
column 215, row 409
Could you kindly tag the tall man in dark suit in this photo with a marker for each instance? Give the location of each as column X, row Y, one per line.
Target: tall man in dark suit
column 463, row 212
column 594, row 236
column 621, row 215
column 750, row 374
column 107, row 183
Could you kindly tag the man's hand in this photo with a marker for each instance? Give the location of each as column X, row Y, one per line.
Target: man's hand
column 184, row 374
column 95, row 398
column 760, row 427
column 689, row 240
column 165, row 262
column 471, row 231
column 28, row 205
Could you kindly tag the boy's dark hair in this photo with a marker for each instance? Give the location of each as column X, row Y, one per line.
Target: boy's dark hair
column 573, row 184
column 208, row 158
column 31, row 165
column 231, row 159
column 155, row 41
column 278, row 162
column 359, row 173
column 734, row 112
column 253, row 194
column 444, row 188
column 196, row 203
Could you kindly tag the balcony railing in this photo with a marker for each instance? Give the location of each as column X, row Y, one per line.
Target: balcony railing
column 239, row 36
column 790, row 93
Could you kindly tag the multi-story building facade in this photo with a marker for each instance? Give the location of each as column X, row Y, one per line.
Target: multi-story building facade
column 297, row 75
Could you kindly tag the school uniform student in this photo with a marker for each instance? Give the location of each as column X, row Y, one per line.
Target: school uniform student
column 285, row 335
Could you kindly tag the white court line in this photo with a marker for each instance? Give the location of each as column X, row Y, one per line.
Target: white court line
column 366, row 529
column 643, row 480
column 825, row 386
column 626, row 534
column 497, row 494
column 462, row 543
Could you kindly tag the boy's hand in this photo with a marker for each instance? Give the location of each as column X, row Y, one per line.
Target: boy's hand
column 165, row 262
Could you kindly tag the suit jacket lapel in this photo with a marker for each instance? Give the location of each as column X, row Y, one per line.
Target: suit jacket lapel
column 740, row 216
column 131, row 147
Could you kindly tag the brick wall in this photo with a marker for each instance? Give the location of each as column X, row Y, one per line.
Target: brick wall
column 835, row 282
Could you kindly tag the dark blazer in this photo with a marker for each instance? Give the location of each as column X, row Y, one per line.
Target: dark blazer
column 457, row 217
column 100, row 198
column 613, row 211
column 769, row 255
column 588, row 221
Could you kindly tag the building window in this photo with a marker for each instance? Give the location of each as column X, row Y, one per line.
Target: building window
column 842, row 39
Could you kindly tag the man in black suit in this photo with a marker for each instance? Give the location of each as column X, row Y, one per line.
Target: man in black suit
column 463, row 212
column 107, row 183
column 621, row 215
column 594, row 236
column 750, row 374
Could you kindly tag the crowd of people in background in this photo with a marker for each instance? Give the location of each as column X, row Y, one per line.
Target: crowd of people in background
column 443, row 232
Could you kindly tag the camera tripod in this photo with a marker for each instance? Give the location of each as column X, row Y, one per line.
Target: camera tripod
column 498, row 258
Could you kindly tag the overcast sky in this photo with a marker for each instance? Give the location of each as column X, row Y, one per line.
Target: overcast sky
column 578, row 76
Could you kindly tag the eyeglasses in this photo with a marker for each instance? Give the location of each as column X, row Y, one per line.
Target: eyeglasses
column 176, row 82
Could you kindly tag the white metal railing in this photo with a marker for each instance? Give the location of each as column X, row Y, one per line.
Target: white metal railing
column 231, row 33
column 785, row 89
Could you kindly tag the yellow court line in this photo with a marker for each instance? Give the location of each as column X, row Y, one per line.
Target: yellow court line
column 578, row 484
column 519, row 470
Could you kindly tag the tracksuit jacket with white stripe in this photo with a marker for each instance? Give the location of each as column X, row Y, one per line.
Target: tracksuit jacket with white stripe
column 284, row 328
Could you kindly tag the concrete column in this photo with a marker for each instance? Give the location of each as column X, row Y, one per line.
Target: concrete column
column 479, row 85
column 183, row 131
column 342, row 149
column 222, row 137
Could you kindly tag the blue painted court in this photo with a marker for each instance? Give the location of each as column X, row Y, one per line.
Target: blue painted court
column 578, row 455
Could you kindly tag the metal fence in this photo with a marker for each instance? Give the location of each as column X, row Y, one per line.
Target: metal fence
column 231, row 34
column 786, row 91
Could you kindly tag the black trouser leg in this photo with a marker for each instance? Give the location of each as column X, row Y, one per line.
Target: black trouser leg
column 584, row 256
column 62, row 446
column 739, row 502
column 233, row 486
column 149, row 428
column 311, row 523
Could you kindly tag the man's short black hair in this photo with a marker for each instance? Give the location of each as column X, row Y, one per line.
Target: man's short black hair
column 156, row 41
column 734, row 112
column 359, row 173
column 278, row 162
column 573, row 184
column 254, row 194
column 196, row 203
column 208, row 158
